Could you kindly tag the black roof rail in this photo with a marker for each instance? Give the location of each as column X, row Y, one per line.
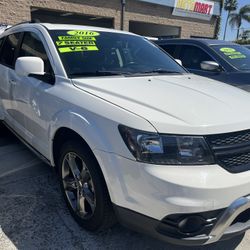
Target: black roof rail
column 32, row 21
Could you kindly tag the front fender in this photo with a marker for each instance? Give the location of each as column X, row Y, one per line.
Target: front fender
column 80, row 124
column 99, row 132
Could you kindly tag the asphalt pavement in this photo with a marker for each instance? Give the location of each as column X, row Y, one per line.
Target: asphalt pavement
column 33, row 214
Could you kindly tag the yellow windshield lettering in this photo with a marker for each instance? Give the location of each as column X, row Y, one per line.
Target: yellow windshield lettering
column 75, row 43
column 77, row 49
column 76, row 38
column 83, row 33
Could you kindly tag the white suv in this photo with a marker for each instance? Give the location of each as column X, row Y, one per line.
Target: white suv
column 131, row 132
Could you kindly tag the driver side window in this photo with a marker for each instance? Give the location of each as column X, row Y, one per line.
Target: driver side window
column 192, row 56
column 33, row 46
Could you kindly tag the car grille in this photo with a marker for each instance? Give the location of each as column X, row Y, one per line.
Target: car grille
column 230, row 138
column 231, row 150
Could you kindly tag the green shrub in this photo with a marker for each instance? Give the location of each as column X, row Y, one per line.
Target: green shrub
column 243, row 41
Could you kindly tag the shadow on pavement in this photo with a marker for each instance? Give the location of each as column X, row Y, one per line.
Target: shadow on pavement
column 34, row 216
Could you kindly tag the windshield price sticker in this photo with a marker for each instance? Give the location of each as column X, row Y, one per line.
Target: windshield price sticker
column 232, row 53
column 76, row 38
column 84, row 33
column 227, row 50
column 77, row 49
column 78, row 41
column 75, row 43
column 237, row 56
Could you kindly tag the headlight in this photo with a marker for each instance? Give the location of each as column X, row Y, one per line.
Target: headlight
column 166, row 149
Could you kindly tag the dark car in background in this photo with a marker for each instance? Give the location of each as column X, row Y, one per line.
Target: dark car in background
column 220, row 60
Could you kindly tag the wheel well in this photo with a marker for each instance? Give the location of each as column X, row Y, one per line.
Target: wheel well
column 63, row 135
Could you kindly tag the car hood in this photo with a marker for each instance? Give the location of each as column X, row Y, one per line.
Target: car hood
column 180, row 104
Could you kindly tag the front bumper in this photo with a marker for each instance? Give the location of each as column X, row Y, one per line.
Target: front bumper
column 228, row 217
column 227, row 226
column 156, row 192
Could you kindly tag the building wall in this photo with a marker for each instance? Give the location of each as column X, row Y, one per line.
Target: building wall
column 15, row 11
column 163, row 15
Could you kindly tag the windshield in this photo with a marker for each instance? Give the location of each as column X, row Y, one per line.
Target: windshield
column 236, row 55
column 91, row 53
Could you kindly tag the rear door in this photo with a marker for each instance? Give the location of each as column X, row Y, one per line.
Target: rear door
column 1, row 80
column 7, row 79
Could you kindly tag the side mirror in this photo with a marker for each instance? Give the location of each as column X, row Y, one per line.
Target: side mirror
column 178, row 61
column 29, row 65
column 210, row 66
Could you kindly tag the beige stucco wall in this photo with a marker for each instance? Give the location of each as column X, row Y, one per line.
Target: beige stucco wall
column 15, row 11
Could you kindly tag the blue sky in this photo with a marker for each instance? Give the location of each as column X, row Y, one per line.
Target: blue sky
column 231, row 32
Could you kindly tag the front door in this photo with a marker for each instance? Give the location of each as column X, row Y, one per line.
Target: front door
column 27, row 93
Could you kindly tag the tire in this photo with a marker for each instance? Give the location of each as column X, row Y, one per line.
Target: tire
column 84, row 188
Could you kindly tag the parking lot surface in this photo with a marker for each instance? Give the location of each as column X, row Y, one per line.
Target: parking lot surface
column 33, row 214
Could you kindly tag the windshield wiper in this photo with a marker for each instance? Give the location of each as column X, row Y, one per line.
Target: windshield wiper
column 161, row 71
column 99, row 73
column 120, row 73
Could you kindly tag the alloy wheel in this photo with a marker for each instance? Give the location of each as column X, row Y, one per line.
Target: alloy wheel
column 78, row 185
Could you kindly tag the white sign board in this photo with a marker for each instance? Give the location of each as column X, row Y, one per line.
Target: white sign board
column 199, row 9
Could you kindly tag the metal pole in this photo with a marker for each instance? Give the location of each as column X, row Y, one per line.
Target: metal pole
column 123, row 3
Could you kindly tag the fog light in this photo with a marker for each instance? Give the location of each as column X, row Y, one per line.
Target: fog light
column 192, row 224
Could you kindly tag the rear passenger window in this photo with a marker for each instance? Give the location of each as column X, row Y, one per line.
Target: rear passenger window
column 192, row 56
column 33, row 46
column 8, row 50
